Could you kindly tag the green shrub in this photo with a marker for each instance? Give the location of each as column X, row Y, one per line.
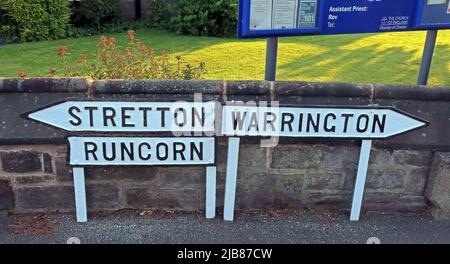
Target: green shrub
column 97, row 13
column 159, row 12
column 36, row 19
column 197, row 17
column 8, row 29
column 77, row 32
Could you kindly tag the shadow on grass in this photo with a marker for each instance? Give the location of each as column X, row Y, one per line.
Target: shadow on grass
column 367, row 63
column 349, row 58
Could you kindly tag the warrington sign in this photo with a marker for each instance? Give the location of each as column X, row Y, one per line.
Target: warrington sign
column 335, row 122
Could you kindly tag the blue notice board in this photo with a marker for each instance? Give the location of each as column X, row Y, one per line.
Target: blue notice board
column 274, row 18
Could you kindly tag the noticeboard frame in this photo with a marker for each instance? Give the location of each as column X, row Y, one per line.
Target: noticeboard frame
column 426, row 26
column 244, row 32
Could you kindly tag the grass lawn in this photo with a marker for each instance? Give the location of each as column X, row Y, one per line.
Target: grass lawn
column 375, row 58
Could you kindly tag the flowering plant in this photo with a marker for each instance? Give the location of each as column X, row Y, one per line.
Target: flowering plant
column 136, row 61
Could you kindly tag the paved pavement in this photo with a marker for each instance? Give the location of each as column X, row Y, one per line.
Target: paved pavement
column 150, row 227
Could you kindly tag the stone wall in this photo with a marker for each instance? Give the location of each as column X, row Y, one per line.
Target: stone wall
column 409, row 173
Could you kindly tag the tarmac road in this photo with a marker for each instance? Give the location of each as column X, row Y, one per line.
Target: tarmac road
column 247, row 228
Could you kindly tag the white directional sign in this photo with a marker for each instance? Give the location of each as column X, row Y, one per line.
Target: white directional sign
column 333, row 122
column 116, row 116
column 141, row 150
column 366, row 123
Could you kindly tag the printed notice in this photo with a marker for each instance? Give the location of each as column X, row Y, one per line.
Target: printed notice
column 307, row 14
column 436, row 2
column 261, row 14
column 284, row 14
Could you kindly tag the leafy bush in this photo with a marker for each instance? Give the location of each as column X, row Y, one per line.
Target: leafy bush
column 35, row 20
column 97, row 13
column 159, row 12
column 8, row 29
column 197, row 17
column 136, row 61
column 76, row 32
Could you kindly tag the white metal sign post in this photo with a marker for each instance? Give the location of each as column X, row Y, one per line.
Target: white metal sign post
column 364, row 123
column 231, row 178
column 358, row 193
column 180, row 118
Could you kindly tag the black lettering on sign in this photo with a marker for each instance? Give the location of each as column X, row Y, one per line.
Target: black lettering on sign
column 326, row 126
column 346, row 118
column 162, row 148
column 163, row 111
column 270, row 121
column 197, row 150
column 113, row 151
column 362, row 123
column 128, row 150
column 238, row 119
column 300, row 123
column 77, row 120
column 285, row 121
column 109, row 113
column 91, row 110
column 90, row 148
column 178, row 149
column 380, row 123
column 253, row 122
column 197, row 116
column 177, row 117
column 126, row 117
column 145, row 111
column 141, row 151
column 311, row 122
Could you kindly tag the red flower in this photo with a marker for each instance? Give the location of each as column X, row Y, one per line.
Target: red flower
column 111, row 42
column 62, row 51
column 102, row 39
column 22, row 73
column 131, row 35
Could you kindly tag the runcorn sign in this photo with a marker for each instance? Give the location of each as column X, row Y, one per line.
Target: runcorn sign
column 89, row 151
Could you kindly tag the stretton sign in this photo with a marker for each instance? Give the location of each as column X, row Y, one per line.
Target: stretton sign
column 237, row 120
column 107, row 116
column 269, row 18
